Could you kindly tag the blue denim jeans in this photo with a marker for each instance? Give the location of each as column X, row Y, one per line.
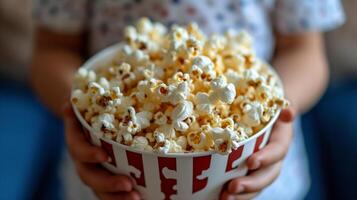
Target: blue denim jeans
column 31, row 141
column 331, row 139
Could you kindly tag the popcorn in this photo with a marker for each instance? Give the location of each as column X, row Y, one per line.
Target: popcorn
column 182, row 142
column 178, row 36
column 194, row 46
column 159, row 137
column 104, row 123
column 199, row 140
column 252, row 114
column 204, row 66
column 141, row 119
column 150, row 137
column 134, row 57
column 203, row 103
column 170, row 146
column 227, row 123
column 213, row 45
column 263, row 93
column 178, row 90
column 222, row 91
column 95, row 89
column 181, row 112
column 130, row 33
column 80, row 99
column 167, row 130
column 160, row 118
column 83, row 77
column 173, row 94
column 104, row 83
column 141, row 143
column 225, row 139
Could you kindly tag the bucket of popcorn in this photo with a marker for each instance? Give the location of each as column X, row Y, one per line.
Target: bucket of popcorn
column 177, row 110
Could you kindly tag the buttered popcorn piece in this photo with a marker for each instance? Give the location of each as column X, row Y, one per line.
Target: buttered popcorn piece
column 80, row 99
column 83, row 77
column 141, row 143
column 178, row 90
column 203, row 103
column 225, row 140
column 204, row 66
column 104, row 123
column 181, row 112
column 252, row 114
column 222, row 91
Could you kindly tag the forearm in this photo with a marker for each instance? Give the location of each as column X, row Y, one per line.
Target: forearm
column 303, row 70
column 51, row 73
column 56, row 57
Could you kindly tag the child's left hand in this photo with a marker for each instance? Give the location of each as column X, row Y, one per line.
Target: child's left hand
column 264, row 166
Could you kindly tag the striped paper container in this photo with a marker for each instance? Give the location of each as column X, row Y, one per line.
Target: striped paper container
column 183, row 176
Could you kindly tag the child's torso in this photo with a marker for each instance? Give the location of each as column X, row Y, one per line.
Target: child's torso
column 109, row 17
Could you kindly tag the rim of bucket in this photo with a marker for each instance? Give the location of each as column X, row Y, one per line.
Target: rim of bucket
column 104, row 56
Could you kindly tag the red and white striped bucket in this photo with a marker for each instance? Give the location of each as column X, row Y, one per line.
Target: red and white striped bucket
column 175, row 175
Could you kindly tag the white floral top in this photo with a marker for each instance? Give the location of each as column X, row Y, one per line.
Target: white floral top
column 104, row 21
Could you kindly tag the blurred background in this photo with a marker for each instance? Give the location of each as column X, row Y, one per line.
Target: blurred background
column 31, row 138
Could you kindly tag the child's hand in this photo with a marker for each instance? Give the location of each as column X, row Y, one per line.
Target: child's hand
column 87, row 158
column 265, row 164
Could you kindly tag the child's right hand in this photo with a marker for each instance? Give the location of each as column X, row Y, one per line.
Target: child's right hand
column 87, row 159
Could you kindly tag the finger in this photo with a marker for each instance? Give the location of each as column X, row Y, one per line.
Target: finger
column 228, row 196
column 276, row 148
column 255, row 181
column 132, row 195
column 287, row 115
column 79, row 148
column 66, row 109
column 102, row 181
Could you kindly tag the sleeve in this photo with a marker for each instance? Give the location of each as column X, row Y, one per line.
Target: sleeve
column 67, row 16
column 296, row 16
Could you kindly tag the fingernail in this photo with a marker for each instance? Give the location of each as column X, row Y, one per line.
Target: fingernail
column 231, row 197
column 137, row 195
column 132, row 180
column 240, row 189
column 255, row 165
column 64, row 107
column 121, row 187
column 109, row 159
column 100, row 157
column 128, row 186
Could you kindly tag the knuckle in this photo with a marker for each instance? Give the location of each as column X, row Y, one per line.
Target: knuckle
column 133, row 195
column 282, row 150
column 103, row 196
column 254, row 188
column 82, row 176
column 68, row 138
column 90, row 155
column 278, row 170
column 71, row 140
column 122, row 178
column 75, row 154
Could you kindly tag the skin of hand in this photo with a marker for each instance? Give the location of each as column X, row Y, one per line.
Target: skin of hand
column 301, row 63
column 264, row 166
column 55, row 60
column 87, row 160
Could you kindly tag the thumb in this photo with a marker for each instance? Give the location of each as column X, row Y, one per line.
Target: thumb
column 70, row 120
column 287, row 115
column 66, row 109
